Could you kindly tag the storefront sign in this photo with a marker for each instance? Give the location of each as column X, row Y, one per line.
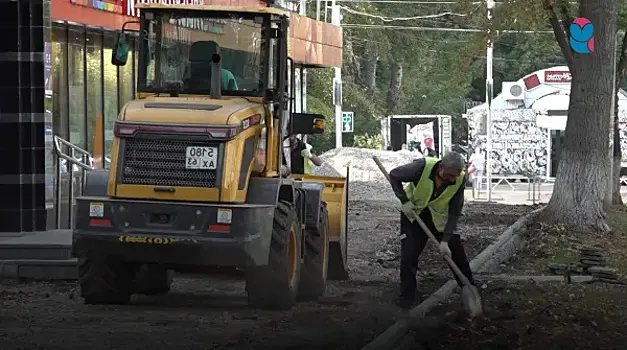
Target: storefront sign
column 130, row 10
column 109, row 6
column 552, row 76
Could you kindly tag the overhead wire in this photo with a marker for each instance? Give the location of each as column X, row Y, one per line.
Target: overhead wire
column 392, row 19
column 431, row 29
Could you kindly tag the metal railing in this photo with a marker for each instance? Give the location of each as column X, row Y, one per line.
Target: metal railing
column 536, row 185
column 68, row 157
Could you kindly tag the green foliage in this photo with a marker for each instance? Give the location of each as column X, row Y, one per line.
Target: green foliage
column 440, row 69
column 368, row 141
column 325, row 141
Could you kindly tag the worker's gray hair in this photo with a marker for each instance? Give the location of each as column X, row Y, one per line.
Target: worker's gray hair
column 453, row 160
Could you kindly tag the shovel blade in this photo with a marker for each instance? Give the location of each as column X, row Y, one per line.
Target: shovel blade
column 472, row 301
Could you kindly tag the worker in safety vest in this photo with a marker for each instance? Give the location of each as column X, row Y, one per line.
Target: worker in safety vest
column 301, row 156
column 435, row 191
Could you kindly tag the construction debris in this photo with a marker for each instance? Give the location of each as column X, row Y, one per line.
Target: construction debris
column 366, row 180
column 590, row 256
column 592, row 261
column 603, row 273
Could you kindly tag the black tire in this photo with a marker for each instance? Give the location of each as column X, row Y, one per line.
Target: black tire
column 104, row 280
column 313, row 280
column 275, row 286
column 153, row 279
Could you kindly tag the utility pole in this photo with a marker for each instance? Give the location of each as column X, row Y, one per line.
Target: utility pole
column 489, row 93
column 336, row 19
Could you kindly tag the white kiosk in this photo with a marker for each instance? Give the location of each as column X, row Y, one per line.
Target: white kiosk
column 529, row 119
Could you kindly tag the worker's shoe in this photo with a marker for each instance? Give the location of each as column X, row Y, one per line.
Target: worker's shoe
column 405, row 302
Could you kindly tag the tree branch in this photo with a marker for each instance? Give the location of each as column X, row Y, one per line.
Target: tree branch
column 560, row 35
column 567, row 18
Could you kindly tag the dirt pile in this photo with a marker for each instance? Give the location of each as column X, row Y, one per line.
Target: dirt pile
column 367, row 182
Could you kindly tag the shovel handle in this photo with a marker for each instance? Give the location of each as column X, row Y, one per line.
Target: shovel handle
column 426, row 230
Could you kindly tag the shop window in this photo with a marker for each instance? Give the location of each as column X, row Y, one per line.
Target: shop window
column 59, row 83
column 95, row 132
column 76, row 47
column 111, row 91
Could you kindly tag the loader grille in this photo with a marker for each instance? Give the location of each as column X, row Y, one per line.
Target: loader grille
column 162, row 163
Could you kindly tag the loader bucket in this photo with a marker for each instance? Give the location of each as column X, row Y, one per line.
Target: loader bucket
column 335, row 194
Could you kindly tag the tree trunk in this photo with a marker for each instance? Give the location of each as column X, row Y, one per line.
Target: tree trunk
column 581, row 183
column 370, row 73
column 351, row 64
column 394, row 91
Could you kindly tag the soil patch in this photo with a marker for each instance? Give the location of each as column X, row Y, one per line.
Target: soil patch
column 212, row 314
column 548, row 315
column 523, row 315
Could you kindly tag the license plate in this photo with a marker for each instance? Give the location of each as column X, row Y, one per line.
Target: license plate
column 204, row 158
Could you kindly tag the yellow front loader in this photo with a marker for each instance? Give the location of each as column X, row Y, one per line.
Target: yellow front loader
column 194, row 183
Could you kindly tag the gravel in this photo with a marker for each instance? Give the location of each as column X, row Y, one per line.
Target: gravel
column 366, row 180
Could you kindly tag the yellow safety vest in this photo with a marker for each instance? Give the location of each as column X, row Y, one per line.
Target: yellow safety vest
column 420, row 195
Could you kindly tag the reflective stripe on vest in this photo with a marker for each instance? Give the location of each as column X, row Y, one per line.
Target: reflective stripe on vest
column 420, row 195
column 307, row 166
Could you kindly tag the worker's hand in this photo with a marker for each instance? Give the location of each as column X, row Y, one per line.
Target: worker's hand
column 284, row 170
column 444, row 249
column 408, row 209
column 306, row 153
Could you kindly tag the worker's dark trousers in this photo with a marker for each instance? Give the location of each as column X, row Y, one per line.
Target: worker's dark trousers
column 413, row 244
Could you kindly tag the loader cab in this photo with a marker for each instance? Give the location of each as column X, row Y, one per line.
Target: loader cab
column 178, row 48
column 219, row 54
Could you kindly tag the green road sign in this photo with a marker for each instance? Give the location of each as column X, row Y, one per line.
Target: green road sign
column 348, row 122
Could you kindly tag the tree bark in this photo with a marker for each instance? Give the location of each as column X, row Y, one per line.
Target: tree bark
column 581, row 183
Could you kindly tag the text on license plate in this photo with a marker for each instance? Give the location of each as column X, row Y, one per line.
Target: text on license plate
column 205, row 158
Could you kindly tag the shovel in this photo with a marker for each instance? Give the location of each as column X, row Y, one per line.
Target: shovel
column 469, row 294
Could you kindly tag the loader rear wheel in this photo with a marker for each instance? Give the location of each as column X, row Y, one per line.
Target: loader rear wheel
column 104, row 279
column 313, row 280
column 275, row 286
column 153, row 279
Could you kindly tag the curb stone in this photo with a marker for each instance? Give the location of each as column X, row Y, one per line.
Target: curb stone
column 41, row 270
column 489, row 260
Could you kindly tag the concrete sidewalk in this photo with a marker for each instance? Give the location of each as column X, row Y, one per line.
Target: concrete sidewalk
column 44, row 255
column 504, row 194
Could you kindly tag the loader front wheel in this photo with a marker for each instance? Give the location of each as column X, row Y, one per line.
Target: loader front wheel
column 275, row 286
column 104, row 279
column 313, row 281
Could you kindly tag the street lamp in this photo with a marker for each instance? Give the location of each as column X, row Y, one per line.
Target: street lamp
column 489, row 93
